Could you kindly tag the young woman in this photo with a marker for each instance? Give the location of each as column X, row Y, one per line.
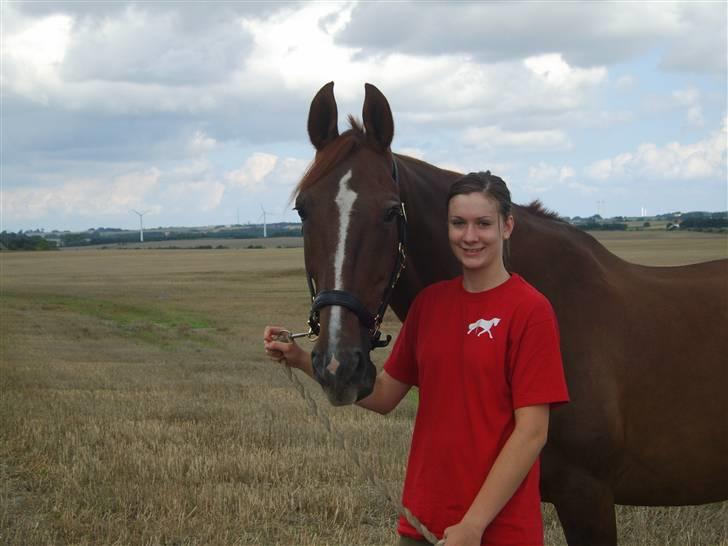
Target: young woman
column 487, row 377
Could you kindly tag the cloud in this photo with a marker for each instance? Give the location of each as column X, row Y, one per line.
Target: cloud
column 690, row 99
column 494, row 137
column 216, row 99
column 251, row 175
column 247, row 76
column 201, row 143
column 555, row 72
column 204, row 195
column 83, row 197
column 417, row 153
column 625, row 82
column 673, row 161
column 544, row 171
column 264, row 171
column 544, row 177
column 586, row 34
column 699, row 41
column 155, row 47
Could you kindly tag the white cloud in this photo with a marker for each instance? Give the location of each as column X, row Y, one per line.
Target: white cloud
column 691, row 34
column 690, row 99
column 84, row 197
column 42, row 43
column 417, row 153
column 555, row 72
column 201, row 143
column 203, row 195
column 92, row 90
column 703, row 159
column 193, row 169
column 544, row 177
column 494, row 137
column 252, row 175
column 625, row 82
column 32, row 53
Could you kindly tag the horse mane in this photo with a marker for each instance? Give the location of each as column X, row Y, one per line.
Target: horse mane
column 344, row 145
column 537, row 208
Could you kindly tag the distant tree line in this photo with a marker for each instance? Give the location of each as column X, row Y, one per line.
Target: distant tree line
column 701, row 223
column 98, row 238
column 602, row 226
column 20, row 241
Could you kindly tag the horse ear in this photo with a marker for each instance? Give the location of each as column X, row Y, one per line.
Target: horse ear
column 323, row 117
column 377, row 116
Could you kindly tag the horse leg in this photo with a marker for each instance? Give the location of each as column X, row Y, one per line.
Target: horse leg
column 585, row 506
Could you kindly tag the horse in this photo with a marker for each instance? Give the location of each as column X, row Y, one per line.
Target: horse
column 644, row 348
column 485, row 325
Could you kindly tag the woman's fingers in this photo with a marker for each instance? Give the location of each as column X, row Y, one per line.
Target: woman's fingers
column 270, row 332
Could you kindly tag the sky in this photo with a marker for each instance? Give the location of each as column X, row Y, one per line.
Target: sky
column 196, row 112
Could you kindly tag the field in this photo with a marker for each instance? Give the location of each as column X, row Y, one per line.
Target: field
column 136, row 407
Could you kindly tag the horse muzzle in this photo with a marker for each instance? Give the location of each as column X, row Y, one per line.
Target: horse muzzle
column 346, row 376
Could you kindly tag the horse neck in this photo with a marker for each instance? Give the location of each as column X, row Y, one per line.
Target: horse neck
column 549, row 253
column 423, row 189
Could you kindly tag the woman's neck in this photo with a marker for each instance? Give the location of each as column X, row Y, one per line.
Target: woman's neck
column 481, row 280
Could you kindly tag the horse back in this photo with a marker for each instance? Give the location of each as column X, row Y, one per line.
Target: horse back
column 656, row 371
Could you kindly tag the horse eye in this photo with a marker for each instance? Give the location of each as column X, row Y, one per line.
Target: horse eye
column 391, row 214
column 301, row 212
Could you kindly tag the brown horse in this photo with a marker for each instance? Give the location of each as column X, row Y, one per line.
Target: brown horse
column 644, row 348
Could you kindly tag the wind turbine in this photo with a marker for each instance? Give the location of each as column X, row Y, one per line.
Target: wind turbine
column 141, row 223
column 265, row 223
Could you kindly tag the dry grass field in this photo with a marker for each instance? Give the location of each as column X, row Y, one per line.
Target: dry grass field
column 136, row 407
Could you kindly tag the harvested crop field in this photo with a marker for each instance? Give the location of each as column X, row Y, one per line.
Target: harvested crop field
column 137, row 407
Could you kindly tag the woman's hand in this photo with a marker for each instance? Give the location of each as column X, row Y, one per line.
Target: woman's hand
column 463, row 534
column 291, row 352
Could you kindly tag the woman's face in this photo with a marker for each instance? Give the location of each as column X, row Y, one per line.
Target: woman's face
column 476, row 230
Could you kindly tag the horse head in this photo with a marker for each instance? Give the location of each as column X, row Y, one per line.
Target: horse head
column 353, row 222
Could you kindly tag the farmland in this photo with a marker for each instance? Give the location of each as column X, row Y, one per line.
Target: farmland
column 136, row 407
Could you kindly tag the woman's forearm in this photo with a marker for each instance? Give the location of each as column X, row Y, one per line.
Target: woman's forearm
column 508, row 472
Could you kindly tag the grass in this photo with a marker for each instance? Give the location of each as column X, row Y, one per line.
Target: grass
column 191, row 436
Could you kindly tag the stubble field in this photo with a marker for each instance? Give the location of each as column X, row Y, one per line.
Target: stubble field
column 136, row 407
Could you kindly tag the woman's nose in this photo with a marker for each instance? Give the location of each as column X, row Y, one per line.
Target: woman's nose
column 470, row 233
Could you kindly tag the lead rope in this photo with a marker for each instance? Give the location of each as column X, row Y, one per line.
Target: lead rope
column 344, row 444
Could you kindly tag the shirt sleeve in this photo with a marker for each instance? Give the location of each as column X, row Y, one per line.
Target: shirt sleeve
column 402, row 361
column 536, row 371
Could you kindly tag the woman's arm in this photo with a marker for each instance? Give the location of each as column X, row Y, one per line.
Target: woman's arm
column 509, row 469
column 387, row 393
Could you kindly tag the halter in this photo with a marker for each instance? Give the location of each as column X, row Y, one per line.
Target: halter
column 372, row 322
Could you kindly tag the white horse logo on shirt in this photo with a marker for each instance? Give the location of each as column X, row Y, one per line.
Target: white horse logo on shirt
column 484, row 325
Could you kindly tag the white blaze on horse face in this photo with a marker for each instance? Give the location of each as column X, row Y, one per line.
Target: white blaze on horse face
column 345, row 203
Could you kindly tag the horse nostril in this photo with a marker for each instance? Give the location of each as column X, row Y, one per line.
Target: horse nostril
column 359, row 359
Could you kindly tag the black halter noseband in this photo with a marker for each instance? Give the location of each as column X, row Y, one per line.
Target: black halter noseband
column 372, row 322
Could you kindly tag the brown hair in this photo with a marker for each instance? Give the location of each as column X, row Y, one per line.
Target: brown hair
column 493, row 187
column 484, row 182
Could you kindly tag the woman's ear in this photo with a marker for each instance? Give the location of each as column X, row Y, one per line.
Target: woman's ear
column 508, row 225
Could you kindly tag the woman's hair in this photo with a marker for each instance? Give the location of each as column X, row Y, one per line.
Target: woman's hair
column 484, row 182
column 493, row 187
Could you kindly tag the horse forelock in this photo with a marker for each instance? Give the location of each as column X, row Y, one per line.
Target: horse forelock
column 325, row 161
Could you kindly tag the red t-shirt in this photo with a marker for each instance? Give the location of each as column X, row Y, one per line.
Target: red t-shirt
column 476, row 357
